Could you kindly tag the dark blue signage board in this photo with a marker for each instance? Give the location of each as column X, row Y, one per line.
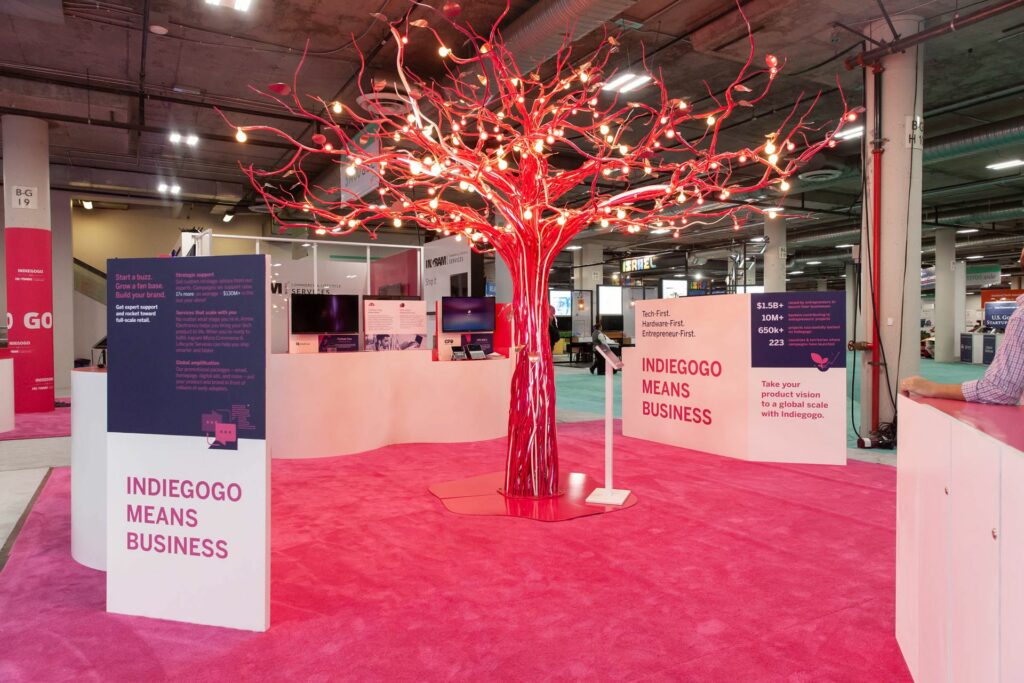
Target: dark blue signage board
column 988, row 348
column 966, row 348
column 997, row 313
column 798, row 330
column 187, row 344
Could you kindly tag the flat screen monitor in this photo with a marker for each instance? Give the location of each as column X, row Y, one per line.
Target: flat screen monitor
column 561, row 299
column 325, row 314
column 467, row 314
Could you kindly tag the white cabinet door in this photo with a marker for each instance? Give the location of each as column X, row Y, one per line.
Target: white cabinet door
column 974, row 558
column 1011, row 551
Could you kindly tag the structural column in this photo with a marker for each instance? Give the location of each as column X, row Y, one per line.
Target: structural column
column 822, row 284
column 775, row 254
column 891, row 271
column 946, row 340
column 28, row 257
column 854, row 321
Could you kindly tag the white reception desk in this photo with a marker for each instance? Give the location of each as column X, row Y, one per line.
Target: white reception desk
column 327, row 404
column 960, row 541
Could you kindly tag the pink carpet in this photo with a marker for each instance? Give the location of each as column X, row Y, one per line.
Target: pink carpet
column 725, row 571
column 40, row 425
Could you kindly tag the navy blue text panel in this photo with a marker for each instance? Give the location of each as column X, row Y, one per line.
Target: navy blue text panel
column 186, row 345
column 798, row 330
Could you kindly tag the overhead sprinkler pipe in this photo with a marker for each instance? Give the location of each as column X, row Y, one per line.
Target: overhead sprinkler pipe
column 870, row 57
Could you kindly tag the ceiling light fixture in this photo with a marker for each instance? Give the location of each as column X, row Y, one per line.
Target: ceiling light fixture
column 228, row 216
column 844, row 246
column 974, row 258
column 175, row 189
column 635, row 83
column 757, row 239
column 619, row 81
column 814, row 263
column 661, row 231
column 162, row 187
column 240, row 5
column 999, row 166
column 573, row 247
column 174, row 137
column 87, row 205
column 796, row 272
column 966, row 231
column 192, row 140
column 850, row 133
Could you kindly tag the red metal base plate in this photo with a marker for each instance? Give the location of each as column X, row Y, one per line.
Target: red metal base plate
column 481, row 495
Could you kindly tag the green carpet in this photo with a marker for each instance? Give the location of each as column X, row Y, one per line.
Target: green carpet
column 581, row 395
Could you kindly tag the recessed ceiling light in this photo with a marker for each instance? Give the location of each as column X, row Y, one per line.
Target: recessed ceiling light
column 175, row 189
column 192, row 140
column 850, row 133
column 999, row 166
column 814, row 263
column 974, row 258
column 573, row 247
column 844, row 246
column 796, row 272
column 966, row 231
column 162, row 187
column 174, row 137
column 228, row 216
column 87, row 205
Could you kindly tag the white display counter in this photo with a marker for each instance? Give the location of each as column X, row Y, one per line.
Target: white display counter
column 89, row 467
column 327, row 404
column 6, row 394
column 960, row 540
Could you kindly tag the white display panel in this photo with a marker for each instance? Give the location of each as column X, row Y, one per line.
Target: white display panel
column 609, row 300
column 672, row 289
column 394, row 325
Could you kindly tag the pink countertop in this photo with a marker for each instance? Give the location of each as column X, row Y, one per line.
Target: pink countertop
column 1003, row 423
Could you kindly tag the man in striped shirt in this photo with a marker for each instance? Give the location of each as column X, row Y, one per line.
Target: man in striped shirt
column 1003, row 382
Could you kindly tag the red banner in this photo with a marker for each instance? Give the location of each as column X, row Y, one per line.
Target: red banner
column 988, row 295
column 30, row 317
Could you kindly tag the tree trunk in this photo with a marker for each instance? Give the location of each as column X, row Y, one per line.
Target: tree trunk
column 531, row 467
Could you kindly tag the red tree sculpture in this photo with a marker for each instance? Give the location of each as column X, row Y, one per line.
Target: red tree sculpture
column 491, row 154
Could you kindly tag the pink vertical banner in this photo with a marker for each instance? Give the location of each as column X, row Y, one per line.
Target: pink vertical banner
column 30, row 317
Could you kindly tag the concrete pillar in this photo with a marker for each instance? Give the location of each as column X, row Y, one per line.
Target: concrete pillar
column 63, row 293
column 775, row 254
column 1017, row 282
column 854, row 323
column 960, row 302
column 822, row 284
column 947, row 347
column 29, row 260
column 502, row 281
column 588, row 267
column 898, row 137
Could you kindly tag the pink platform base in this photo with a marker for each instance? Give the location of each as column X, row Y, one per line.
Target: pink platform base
column 727, row 571
column 482, row 495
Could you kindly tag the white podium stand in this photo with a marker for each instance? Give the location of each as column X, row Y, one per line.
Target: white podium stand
column 608, row 495
column 89, row 467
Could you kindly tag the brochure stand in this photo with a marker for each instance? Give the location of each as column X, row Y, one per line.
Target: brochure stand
column 608, row 495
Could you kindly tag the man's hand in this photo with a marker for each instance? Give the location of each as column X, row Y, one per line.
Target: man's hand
column 917, row 385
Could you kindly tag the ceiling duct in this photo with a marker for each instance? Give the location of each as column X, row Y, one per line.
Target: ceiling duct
column 537, row 35
column 974, row 141
column 991, row 213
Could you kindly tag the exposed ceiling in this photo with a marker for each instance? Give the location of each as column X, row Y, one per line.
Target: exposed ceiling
column 114, row 90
